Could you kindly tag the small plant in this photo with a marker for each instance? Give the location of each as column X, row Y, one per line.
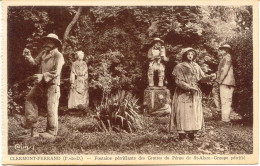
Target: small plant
column 16, row 98
column 119, row 112
column 14, row 105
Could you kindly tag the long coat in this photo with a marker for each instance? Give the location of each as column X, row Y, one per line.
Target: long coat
column 187, row 114
column 79, row 88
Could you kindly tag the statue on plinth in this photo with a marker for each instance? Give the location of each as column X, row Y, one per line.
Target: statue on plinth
column 156, row 56
column 156, row 96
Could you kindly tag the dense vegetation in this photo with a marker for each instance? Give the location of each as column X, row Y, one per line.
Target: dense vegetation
column 116, row 39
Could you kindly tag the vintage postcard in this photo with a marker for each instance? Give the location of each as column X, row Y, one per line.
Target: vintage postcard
column 130, row 82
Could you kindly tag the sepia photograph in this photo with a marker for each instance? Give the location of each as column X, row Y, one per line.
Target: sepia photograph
column 115, row 83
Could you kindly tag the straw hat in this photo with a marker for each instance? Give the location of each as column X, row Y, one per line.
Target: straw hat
column 225, row 46
column 157, row 39
column 54, row 38
column 185, row 50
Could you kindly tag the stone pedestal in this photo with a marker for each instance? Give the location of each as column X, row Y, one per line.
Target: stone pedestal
column 155, row 98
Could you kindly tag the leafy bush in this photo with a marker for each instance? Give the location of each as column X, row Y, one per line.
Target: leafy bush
column 12, row 105
column 105, row 72
column 16, row 99
column 119, row 112
column 115, row 41
column 242, row 46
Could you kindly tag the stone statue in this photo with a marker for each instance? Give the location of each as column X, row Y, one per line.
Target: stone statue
column 156, row 56
column 46, row 85
column 78, row 96
column 156, row 97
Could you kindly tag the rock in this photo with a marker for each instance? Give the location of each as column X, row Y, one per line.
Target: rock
column 218, row 147
column 235, row 116
column 204, row 151
column 207, row 112
column 217, row 144
column 165, row 110
column 212, row 133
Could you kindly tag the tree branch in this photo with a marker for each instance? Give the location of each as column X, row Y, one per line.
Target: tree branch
column 71, row 24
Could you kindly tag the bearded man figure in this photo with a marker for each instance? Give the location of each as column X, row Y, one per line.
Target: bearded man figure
column 46, row 85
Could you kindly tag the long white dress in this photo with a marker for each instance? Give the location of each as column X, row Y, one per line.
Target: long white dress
column 78, row 95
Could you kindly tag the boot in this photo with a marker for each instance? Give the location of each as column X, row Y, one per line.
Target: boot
column 25, row 125
column 34, row 132
column 191, row 136
column 47, row 135
column 181, row 136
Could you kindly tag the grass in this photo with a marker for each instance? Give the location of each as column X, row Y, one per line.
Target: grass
column 80, row 135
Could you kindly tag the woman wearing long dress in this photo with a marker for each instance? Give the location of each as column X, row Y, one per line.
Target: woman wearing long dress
column 187, row 114
column 78, row 96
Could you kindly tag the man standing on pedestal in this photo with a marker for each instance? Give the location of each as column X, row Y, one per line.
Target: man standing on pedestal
column 156, row 54
column 226, row 81
column 46, row 85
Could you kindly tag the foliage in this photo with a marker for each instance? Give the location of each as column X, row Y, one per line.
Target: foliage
column 116, row 39
column 13, row 107
column 119, row 112
column 16, row 99
column 26, row 25
column 242, row 57
column 106, row 72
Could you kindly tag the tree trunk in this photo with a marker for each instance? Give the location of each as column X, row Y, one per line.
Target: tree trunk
column 69, row 27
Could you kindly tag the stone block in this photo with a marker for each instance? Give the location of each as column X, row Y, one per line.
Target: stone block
column 155, row 98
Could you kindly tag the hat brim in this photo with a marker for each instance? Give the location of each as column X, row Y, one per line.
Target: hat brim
column 224, row 48
column 187, row 50
column 190, row 49
column 161, row 41
column 57, row 42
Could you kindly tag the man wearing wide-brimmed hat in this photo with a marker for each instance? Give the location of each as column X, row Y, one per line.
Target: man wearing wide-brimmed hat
column 226, row 81
column 156, row 54
column 46, row 85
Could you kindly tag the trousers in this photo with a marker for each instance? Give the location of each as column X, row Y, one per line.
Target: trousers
column 37, row 94
column 226, row 93
column 216, row 96
column 153, row 66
